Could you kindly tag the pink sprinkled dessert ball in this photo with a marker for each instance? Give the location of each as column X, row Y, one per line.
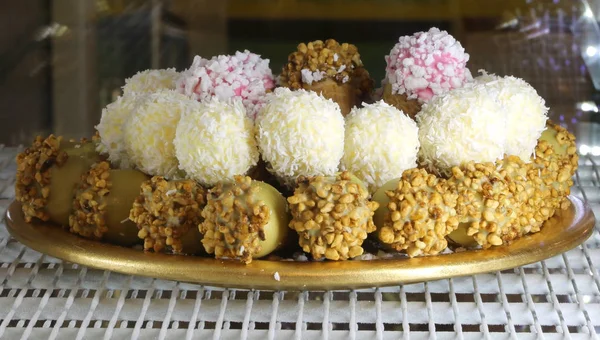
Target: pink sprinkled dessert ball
column 245, row 75
column 427, row 64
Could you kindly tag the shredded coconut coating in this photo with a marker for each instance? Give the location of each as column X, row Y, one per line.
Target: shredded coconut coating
column 496, row 202
column 245, row 75
column 526, row 113
column 151, row 81
column 88, row 218
column 216, row 142
column 332, row 216
column 421, row 213
column 234, row 220
column 110, row 129
column 427, row 64
column 316, row 61
column 150, row 129
column 165, row 211
column 464, row 125
column 32, row 187
column 300, row 133
column 381, row 142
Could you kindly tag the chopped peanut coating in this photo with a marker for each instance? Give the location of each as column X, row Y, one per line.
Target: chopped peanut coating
column 340, row 62
column 332, row 216
column 495, row 202
column 166, row 211
column 33, row 175
column 422, row 211
column 88, row 216
column 235, row 217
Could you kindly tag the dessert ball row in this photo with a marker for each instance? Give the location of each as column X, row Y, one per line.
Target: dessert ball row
column 481, row 204
column 224, row 158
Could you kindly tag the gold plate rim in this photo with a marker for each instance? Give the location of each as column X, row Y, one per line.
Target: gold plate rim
column 560, row 234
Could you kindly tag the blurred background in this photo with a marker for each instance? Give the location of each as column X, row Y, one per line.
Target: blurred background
column 62, row 61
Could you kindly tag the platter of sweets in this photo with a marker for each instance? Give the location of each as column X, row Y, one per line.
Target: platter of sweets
column 226, row 175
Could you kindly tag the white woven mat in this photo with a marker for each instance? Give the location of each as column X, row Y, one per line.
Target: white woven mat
column 44, row 298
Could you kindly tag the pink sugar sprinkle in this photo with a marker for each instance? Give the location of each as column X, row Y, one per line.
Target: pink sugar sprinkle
column 238, row 91
column 243, row 75
column 427, row 64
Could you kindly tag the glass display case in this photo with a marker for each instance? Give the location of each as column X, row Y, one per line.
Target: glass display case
column 66, row 60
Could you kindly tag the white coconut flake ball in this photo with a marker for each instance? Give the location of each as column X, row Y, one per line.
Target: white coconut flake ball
column 216, row 142
column 381, row 142
column 150, row 81
column 110, row 129
column 526, row 113
column 300, row 133
column 466, row 124
column 150, row 130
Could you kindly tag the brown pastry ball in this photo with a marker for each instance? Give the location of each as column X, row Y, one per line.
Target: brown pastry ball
column 331, row 69
column 400, row 101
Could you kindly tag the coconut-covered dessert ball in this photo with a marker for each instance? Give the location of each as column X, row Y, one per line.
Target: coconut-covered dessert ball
column 331, row 69
column 332, row 215
column 151, row 81
column 381, row 142
column 110, row 129
column 150, row 129
column 216, row 142
column 244, row 219
column 526, row 113
column 244, row 75
column 423, row 65
column 102, row 202
column 47, row 173
column 300, row 133
column 464, row 125
column 167, row 214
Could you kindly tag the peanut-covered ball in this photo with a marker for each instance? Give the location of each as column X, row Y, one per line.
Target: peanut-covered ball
column 332, row 216
column 244, row 219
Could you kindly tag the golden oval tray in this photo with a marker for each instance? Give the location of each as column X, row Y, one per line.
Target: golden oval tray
column 562, row 232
